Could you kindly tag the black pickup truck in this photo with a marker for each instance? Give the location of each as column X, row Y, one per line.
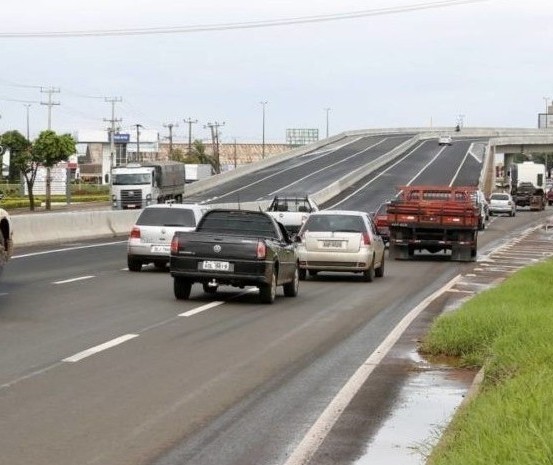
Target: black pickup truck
column 238, row 248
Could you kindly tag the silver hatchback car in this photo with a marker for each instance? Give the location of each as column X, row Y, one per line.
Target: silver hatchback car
column 341, row 240
column 501, row 202
column 150, row 238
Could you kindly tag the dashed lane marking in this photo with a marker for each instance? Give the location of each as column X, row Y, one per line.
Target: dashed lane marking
column 99, row 348
column 72, row 280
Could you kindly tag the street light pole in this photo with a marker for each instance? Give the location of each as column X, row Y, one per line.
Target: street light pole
column 28, row 105
column 327, row 112
column 137, row 126
column 263, row 103
column 546, row 109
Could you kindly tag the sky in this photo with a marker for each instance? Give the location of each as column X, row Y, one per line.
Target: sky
column 489, row 61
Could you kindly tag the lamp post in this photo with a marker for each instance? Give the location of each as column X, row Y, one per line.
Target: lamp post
column 27, row 106
column 263, row 103
column 327, row 112
column 137, row 126
column 546, row 109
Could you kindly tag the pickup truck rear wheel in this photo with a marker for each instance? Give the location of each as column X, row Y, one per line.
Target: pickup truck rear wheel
column 291, row 288
column 267, row 292
column 134, row 264
column 182, row 288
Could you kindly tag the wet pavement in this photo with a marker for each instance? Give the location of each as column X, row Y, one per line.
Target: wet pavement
column 427, row 393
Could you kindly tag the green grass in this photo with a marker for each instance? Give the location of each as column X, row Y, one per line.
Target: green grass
column 507, row 330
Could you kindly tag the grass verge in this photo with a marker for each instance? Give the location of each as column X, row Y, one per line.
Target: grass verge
column 508, row 331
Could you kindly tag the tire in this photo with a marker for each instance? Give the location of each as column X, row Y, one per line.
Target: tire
column 210, row 289
column 182, row 288
column 302, row 274
column 368, row 274
column 291, row 288
column 267, row 292
column 379, row 272
column 160, row 264
column 134, row 264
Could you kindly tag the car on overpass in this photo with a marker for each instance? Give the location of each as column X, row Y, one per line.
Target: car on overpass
column 445, row 140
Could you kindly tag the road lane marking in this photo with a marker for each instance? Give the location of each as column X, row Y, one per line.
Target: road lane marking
column 72, row 280
column 427, row 165
column 68, row 249
column 459, row 169
column 94, row 350
column 320, row 429
column 327, row 167
column 378, row 176
column 3, row 294
column 214, row 304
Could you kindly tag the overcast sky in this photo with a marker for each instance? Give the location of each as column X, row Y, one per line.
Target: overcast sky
column 490, row 61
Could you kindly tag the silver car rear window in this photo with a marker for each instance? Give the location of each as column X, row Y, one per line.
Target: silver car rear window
column 335, row 223
column 167, row 217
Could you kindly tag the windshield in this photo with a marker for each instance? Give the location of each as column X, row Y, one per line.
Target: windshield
column 500, row 197
column 132, row 179
column 167, row 217
column 241, row 223
column 290, row 205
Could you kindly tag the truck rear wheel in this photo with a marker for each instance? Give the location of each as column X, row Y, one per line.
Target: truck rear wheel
column 182, row 288
column 291, row 288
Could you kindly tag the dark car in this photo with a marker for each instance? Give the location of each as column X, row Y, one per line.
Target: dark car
column 237, row 248
column 550, row 196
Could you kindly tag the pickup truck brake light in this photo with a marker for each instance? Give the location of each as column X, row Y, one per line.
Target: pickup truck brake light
column 174, row 245
column 135, row 233
column 261, row 250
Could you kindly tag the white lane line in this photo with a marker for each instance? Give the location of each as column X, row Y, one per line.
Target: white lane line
column 427, row 165
column 377, row 176
column 80, row 278
column 99, row 348
column 3, row 294
column 278, row 172
column 216, row 303
column 328, row 166
column 68, row 249
column 459, row 169
column 318, row 432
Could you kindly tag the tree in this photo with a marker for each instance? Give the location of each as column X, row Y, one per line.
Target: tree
column 18, row 146
column 199, row 156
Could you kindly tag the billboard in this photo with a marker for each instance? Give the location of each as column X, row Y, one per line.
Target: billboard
column 301, row 136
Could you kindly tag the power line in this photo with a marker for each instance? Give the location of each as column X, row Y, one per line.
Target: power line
column 5, row 99
column 239, row 25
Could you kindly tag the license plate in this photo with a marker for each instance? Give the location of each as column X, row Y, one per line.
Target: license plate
column 131, row 205
column 215, row 266
column 160, row 249
column 332, row 244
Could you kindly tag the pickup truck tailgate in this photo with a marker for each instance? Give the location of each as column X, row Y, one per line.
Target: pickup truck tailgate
column 216, row 246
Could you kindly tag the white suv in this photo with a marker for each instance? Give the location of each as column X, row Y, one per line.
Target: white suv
column 150, row 238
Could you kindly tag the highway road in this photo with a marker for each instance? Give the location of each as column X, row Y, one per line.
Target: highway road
column 102, row 366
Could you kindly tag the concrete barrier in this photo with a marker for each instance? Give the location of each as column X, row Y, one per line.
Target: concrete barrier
column 41, row 228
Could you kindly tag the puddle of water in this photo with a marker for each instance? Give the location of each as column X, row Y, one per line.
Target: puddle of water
column 426, row 405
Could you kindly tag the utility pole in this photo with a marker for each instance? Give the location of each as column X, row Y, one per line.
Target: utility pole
column 113, row 120
column 263, row 103
column 170, row 126
column 28, row 105
column 190, row 122
column 327, row 112
column 214, row 127
column 137, row 126
column 235, row 153
column 50, row 103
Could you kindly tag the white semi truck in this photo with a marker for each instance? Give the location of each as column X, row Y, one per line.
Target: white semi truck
column 138, row 185
column 528, row 184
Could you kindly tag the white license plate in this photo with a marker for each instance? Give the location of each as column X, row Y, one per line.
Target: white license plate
column 216, row 266
column 332, row 244
column 160, row 249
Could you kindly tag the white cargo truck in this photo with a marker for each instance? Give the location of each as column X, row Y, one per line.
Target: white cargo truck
column 528, row 184
column 138, row 185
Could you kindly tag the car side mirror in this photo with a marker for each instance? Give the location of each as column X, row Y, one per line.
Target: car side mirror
column 296, row 238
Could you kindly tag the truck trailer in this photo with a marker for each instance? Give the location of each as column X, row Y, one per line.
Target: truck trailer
column 433, row 219
column 528, row 184
column 138, row 185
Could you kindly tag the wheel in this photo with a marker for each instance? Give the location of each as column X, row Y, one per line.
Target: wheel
column 302, row 274
column 379, row 272
column 368, row 274
column 182, row 288
column 313, row 273
column 134, row 264
column 291, row 288
column 210, row 289
column 267, row 292
column 160, row 264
